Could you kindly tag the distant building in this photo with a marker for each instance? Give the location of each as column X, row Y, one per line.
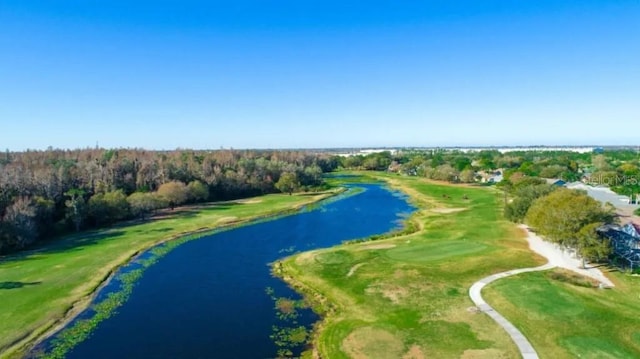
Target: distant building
column 490, row 176
column 506, row 149
column 356, row 152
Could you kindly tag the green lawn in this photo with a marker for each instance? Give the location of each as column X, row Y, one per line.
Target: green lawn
column 563, row 320
column 38, row 287
column 406, row 297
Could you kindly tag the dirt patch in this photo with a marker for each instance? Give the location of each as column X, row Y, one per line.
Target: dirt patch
column 227, row 219
column 369, row 342
column 447, row 210
column 414, row 353
column 354, row 269
column 248, row 201
column 305, row 257
column 377, row 246
column 410, row 273
column 483, row 354
column 570, row 277
column 393, row 292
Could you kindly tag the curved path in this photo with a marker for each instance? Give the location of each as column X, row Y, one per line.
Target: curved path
column 556, row 258
column 526, row 349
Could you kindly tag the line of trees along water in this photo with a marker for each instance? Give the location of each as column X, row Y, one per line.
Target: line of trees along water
column 44, row 193
column 49, row 192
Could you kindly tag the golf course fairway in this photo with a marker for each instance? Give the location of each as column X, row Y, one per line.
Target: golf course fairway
column 406, row 296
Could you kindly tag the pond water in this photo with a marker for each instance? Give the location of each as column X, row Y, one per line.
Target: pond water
column 207, row 298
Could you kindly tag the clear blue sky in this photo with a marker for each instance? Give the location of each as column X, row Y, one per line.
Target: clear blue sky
column 281, row 74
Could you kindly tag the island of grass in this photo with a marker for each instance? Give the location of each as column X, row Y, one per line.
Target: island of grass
column 42, row 288
column 406, row 297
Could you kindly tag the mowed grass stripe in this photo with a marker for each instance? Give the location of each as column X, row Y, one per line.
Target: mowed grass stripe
column 430, row 252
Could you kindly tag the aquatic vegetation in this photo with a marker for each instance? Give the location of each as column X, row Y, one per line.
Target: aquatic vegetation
column 81, row 329
column 290, row 335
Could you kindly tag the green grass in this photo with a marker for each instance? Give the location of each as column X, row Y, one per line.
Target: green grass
column 430, row 252
column 38, row 288
column 567, row 320
column 412, row 289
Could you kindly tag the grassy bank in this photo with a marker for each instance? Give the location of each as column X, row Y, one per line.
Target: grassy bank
column 406, row 297
column 564, row 319
column 39, row 288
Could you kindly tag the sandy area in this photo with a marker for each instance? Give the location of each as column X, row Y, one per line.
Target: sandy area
column 247, row 201
column 227, row 219
column 563, row 259
column 377, row 246
column 446, row 210
column 354, row 269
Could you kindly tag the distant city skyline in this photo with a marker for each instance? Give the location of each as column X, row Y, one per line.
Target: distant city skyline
column 290, row 74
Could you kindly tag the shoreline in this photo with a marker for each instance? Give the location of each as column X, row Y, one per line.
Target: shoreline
column 21, row 347
column 320, row 304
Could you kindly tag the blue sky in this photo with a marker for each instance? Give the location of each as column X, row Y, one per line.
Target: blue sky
column 292, row 74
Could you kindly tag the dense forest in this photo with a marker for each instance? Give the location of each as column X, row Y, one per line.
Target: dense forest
column 44, row 193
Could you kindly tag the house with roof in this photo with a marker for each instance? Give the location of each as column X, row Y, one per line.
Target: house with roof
column 490, row 176
column 625, row 246
column 556, row 182
column 632, row 229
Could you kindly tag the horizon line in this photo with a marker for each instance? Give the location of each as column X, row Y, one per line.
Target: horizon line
column 409, row 147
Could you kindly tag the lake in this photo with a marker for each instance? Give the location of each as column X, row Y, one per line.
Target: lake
column 207, row 298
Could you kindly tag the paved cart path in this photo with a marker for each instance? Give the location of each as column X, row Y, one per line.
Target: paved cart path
column 526, row 349
column 556, row 258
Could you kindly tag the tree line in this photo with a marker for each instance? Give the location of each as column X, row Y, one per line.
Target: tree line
column 567, row 217
column 467, row 167
column 617, row 168
column 44, row 193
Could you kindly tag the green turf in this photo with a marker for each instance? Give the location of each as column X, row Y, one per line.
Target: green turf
column 333, row 258
column 415, row 287
column 563, row 320
column 38, row 287
column 428, row 252
column 595, row 348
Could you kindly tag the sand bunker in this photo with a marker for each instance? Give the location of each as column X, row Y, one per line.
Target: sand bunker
column 354, row 268
column 369, row 342
column 377, row 246
column 414, row 353
column 248, row 201
column 446, row 210
column 227, row 219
